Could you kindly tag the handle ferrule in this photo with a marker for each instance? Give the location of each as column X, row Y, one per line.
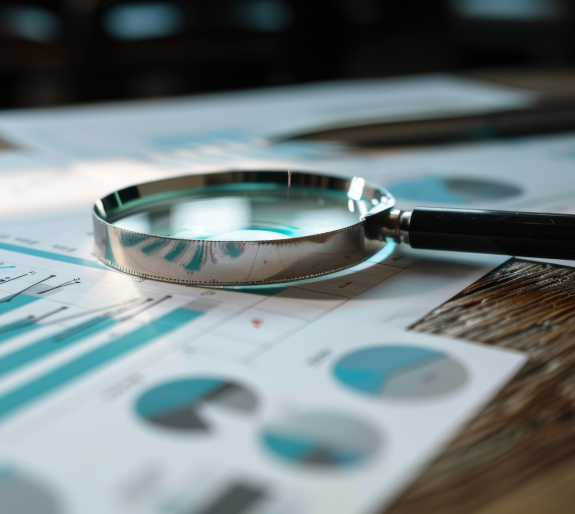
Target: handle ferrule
column 396, row 226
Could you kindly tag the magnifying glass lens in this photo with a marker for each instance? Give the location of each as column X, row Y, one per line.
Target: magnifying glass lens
column 240, row 227
column 260, row 212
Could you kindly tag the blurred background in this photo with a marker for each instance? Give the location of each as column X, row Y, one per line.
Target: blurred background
column 58, row 52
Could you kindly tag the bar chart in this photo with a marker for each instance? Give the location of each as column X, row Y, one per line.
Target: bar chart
column 86, row 362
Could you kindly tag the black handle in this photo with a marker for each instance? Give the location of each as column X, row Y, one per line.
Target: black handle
column 525, row 234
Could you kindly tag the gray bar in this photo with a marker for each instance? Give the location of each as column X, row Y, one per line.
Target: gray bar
column 237, row 499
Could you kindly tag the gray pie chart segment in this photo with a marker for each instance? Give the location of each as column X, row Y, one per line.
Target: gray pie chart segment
column 452, row 190
column 22, row 495
column 475, row 190
column 321, row 440
column 401, row 372
column 434, row 378
column 176, row 405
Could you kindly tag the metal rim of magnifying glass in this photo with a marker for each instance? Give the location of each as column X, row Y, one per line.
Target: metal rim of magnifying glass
column 235, row 263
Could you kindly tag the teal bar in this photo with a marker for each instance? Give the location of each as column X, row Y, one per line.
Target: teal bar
column 14, row 303
column 52, row 256
column 22, row 326
column 176, row 318
column 93, row 359
column 53, row 343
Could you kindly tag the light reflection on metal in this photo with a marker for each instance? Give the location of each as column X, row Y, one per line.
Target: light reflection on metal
column 356, row 188
column 361, row 207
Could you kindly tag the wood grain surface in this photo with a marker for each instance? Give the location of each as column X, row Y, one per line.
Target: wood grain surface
column 524, row 440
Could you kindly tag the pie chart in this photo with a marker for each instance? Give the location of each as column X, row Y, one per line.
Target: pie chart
column 321, row 440
column 452, row 190
column 401, row 372
column 21, row 495
column 178, row 405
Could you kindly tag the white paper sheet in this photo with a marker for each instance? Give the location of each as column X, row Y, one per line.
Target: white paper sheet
column 294, row 427
column 206, row 124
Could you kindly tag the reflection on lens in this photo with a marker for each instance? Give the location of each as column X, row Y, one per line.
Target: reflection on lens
column 261, row 213
column 249, row 235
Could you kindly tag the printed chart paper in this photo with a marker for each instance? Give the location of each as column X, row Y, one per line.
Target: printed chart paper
column 124, row 395
column 118, row 395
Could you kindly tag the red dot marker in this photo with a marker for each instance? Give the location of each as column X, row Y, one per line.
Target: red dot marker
column 257, row 322
column 265, row 262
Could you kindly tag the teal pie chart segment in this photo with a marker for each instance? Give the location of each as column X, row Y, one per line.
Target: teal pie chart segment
column 179, row 404
column 321, row 440
column 401, row 372
column 452, row 190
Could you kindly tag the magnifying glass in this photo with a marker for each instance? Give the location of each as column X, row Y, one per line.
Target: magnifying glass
column 265, row 227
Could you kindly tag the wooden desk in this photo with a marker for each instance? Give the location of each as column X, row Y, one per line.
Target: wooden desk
column 518, row 454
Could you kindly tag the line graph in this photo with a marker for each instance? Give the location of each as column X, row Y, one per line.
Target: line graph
column 28, row 323
column 11, row 297
column 6, row 280
column 25, row 325
column 67, row 337
column 73, row 281
column 30, row 293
